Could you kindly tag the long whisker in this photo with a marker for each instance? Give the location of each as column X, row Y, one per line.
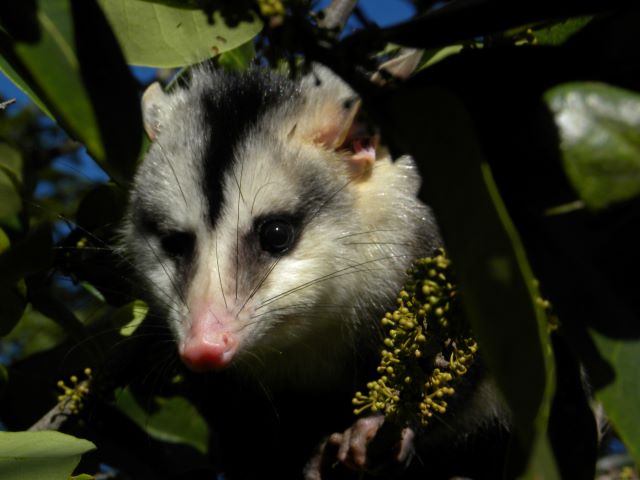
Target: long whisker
column 337, row 273
column 238, row 183
column 169, row 277
column 260, row 283
column 353, row 234
column 168, row 302
column 404, row 244
column 256, row 195
column 71, row 224
column 220, row 276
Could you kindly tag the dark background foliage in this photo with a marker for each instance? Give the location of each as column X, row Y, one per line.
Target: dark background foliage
column 524, row 119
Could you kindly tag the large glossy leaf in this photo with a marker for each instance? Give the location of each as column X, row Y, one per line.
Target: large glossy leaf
column 174, row 420
column 92, row 96
column 40, row 455
column 8, row 70
column 50, row 69
column 620, row 397
column 158, row 35
column 496, row 281
column 599, row 127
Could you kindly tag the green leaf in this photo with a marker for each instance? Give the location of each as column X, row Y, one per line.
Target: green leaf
column 189, row 4
column 35, row 333
column 157, row 35
column 239, row 58
column 59, row 72
column 50, row 68
column 10, row 202
column 5, row 242
column 599, row 127
column 40, row 455
column 130, row 316
column 620, row 398
column 12, row 75
column 10, row 181
column 175, row 420
column 561, row 32
column 82, row 476
column 431, row 57
column 497, row 285
column 11, row 163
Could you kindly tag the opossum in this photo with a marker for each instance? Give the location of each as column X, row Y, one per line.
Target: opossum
column 273, row 232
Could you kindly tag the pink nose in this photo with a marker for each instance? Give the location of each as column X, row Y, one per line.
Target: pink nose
column 203, row 353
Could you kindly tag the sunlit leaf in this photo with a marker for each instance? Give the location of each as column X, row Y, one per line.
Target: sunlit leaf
column 40, row 455
column 620, row 397
column 436, row 55
column 157, row 35
column 175, row 420
column 90, row 103
column 239, row 58
column 8, row 70
column 599, row 127
column 130, row 316
column 50, row 69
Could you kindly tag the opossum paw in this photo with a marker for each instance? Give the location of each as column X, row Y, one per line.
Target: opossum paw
column 351, row 449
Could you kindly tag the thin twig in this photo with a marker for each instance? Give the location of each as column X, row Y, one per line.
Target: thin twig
column 337, row 14
column 59, row 414
column 6, row 103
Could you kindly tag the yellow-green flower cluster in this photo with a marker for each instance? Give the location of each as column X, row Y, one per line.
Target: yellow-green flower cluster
column 427, row 346
column 270, row 8
column 72, row 397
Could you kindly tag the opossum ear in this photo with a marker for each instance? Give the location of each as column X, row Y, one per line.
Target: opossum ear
column 153, row 100
column 330, row 120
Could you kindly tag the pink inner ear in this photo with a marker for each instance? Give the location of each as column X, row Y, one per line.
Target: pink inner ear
column 339, row 130
column 329, row 136
column 362, row 159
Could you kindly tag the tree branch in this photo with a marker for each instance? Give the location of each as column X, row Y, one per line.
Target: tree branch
column 337, row 14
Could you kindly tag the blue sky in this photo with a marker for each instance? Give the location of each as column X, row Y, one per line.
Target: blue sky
column 383, row 12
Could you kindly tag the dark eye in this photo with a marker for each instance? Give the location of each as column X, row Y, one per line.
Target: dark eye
column 276, row 236
column 178, row 244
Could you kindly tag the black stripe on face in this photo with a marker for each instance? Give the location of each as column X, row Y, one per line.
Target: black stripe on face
column 232, row 106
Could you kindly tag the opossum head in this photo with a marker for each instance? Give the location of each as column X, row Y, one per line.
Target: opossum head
column 265, row 226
